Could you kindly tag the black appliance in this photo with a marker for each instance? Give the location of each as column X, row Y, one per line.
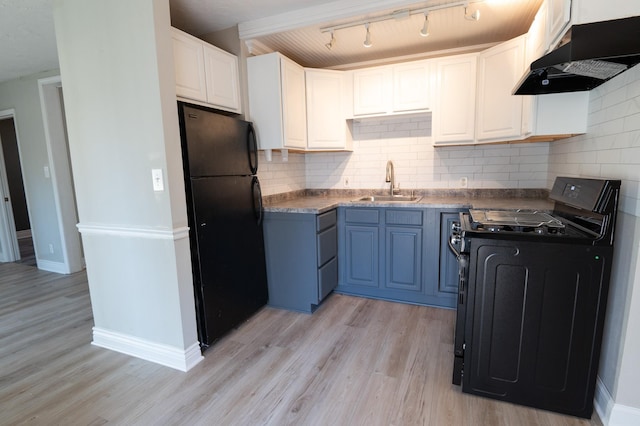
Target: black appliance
column 224, row 205
column 532, row 295
column 588, row 55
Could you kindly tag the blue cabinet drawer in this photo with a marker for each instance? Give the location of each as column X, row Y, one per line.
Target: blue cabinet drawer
column 362, row 215
column 327, row 278
column 327, row 245
column 326, row 220
column 403, row 217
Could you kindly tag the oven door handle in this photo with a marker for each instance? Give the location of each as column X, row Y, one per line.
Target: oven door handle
column 452, row 246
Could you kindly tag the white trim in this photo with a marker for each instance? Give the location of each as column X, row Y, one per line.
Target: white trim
column 59, row 170
column 314, row 15
column 613, row 414
column 170, row 356
column 120, row 231
column 51, row 266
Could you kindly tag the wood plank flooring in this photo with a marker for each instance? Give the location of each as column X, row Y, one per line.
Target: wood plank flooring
column 353, row 362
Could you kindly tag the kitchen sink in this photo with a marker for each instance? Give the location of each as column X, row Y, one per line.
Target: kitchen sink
column 389, row 198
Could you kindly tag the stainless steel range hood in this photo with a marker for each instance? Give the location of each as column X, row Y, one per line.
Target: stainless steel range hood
column 589, row 55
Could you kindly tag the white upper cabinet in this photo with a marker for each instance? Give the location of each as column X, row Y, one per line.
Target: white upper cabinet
column 586, row 11
column 277, row 101
column 327, row 128
column 205, row 73
column 371, row 91
column 411, row 86
column 392, row 89
column 537, row 36
column 498, row 113
column 455, row 109
column 558, row 19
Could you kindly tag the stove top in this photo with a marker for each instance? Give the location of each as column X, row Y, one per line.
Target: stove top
column 515, row 220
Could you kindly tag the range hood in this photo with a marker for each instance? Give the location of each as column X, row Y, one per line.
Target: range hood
column 588, row 55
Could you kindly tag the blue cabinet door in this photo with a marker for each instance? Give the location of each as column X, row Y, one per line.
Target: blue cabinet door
column 362, row 254
column 403, row 258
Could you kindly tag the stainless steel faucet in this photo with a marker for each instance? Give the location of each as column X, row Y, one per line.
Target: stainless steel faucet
column 391, row 177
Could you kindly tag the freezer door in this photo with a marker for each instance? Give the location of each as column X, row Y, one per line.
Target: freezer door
column 231, row 281
column 215, row 144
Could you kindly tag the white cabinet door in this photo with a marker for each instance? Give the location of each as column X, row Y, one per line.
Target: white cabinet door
column 454, row 110
column 326, row 123
column 223, row 87
column 371, row 91
column 294, row 105
column 188, row 56
column 498, row 113
column 411, row 88
column 558, row 17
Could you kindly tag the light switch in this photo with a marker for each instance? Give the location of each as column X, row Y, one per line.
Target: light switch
column 158, row 181
column 47, row 175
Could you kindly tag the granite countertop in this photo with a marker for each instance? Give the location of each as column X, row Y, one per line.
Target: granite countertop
column 320, row 201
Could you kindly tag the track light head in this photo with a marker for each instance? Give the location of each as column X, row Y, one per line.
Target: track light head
column 332, row 42
column 475, row 16
column 367, row 39
column 424, row 32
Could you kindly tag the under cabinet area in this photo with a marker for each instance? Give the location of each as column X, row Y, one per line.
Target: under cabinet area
column 302, row 258
column 205, row 73
column 394, row 254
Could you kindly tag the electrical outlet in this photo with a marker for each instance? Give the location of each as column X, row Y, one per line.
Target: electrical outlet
column 50, row 248
column 158, row 180
column 346, row 182
column 464, row 182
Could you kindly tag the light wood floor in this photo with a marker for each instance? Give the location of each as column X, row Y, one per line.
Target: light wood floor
column 354, row 362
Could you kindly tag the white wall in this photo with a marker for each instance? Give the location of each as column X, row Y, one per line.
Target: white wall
column 407, row 142
column 611, row 149
column 22, row 95
column 117, row 71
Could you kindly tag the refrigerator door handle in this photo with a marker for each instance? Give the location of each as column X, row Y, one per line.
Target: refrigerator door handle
column 256, row 193
column 252, row 149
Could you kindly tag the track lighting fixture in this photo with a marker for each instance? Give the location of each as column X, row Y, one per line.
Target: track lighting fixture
column 331, row 42
column 401, row 15
column 424, row 32
column 367, row 39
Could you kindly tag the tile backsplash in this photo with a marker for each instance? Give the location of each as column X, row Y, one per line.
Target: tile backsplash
column 406, row 140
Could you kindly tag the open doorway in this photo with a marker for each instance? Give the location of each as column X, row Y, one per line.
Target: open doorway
column 18, row 241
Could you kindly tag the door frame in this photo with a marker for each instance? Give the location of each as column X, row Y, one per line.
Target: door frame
column 51, row 104
column 8, row 235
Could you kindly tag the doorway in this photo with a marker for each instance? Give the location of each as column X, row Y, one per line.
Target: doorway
column 17, row 242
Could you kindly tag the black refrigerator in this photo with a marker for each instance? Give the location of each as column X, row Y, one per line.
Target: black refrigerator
column 224, row 205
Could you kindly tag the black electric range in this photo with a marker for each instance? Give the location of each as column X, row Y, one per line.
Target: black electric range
column 532, row 295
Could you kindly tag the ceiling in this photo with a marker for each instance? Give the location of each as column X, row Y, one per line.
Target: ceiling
column 27, row 38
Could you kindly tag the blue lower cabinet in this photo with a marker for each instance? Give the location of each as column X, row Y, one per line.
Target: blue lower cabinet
column 393, row 254
column 301, row 250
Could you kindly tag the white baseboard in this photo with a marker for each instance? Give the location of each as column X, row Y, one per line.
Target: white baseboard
column 50, row 266
column 613, row 414
column 169, row 356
